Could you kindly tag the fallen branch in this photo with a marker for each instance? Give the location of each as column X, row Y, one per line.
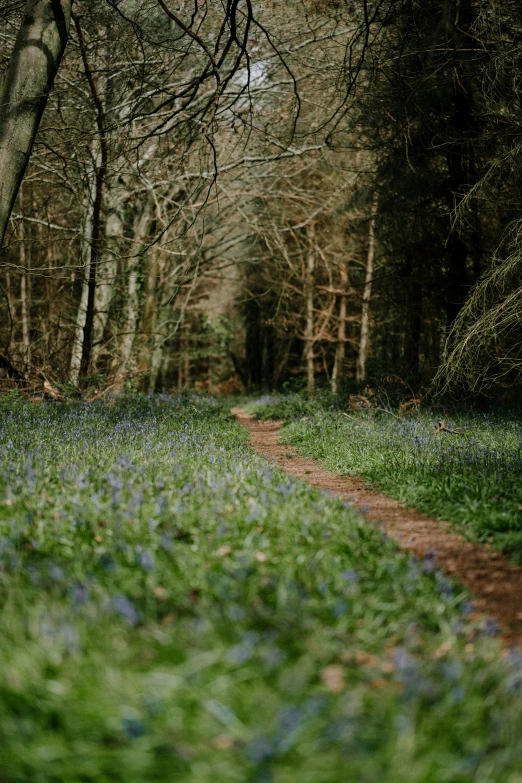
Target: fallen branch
column 442, row 428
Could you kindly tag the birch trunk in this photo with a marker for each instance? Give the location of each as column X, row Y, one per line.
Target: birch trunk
column 182, row 354
column 150, row 310
column 367, row 295
column 337, row 373
column 158, row 350
column 309, row 315
column 86, row 255
column 107, row 266
column 25, row 88
column 166, row 304
column 24, row 302
column 140, row 232
column 99, row 186
column 25, row 263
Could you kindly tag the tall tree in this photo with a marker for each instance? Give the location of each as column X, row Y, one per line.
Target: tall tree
column 25, row 88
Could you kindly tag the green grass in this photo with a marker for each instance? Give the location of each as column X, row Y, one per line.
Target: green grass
column 472, row 479
column 173, row 608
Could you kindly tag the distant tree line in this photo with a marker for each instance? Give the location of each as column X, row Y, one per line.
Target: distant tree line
column 248, row 194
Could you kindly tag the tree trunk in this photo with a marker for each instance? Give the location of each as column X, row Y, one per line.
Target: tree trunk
column 460, row 159
column 182, row 353
column 337, row 372
column 34, row 63
column 140, row 230
column 100, row 174
column 183, row 358
column 25, row 264
column 367, row 295
column 309, row 314
column 12, row 312
column 24, row 302
column 165, row 319
column 150, row 310
column 93, row 268
column 86, row 256
column 160, row 345
column 108, row 265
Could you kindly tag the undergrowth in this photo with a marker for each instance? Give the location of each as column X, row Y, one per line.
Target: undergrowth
column 173, row 608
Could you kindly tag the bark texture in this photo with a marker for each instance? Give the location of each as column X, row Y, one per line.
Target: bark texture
column 309, row 315
column 140, row 231
column 34, row 63
column 367, row 295
column 81, row 317
column 338, row 367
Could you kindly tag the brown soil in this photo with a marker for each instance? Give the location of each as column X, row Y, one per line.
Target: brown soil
column 495, row 582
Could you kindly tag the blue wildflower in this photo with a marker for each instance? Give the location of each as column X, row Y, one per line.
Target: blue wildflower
column 126, row 610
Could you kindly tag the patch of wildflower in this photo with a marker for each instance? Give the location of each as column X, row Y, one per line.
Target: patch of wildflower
column 473, row 479
column 173, row 607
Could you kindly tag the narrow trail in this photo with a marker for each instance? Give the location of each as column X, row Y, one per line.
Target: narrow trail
column 495, row 582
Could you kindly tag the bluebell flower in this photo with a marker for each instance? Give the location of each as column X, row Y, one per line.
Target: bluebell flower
column 133, row 728
column 145, row 560
column 452, row 670
column 289, row 717
column 236, row 612
column 70, row 635
column 107, row 562
column 260, row 750
column 340, row 609
column 491, row 627
column 55, row 572
column 126, row 610
column 166, row 542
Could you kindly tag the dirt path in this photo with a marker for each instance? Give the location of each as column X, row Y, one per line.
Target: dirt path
column 494, row 581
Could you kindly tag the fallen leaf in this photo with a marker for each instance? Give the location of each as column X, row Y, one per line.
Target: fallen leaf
column 160, row 592
column 333, row 678
column 260, row 557
column 442, row 650
column 223, row 551
column 365, row 659
column 222, row 742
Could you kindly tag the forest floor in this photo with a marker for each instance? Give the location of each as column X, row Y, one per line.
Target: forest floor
column 495, row 582
column 176, row 608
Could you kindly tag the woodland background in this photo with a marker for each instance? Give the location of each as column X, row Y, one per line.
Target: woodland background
column 256, row 195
